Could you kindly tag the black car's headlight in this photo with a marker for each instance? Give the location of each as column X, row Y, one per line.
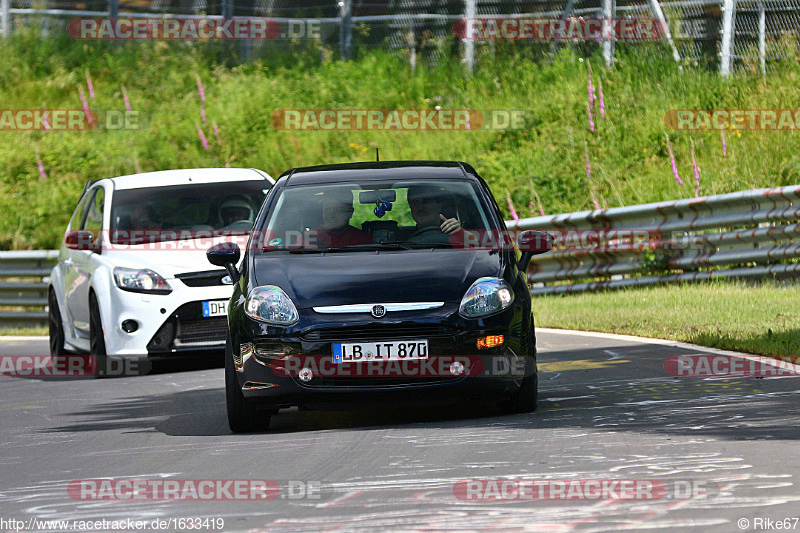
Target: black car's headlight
column 270, row 304
column 140, row 280
column 485, row 297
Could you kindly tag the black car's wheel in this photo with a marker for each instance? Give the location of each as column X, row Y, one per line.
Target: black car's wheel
column 97, row 342
column 242, row 415
column 56, row 328
column 525, row 399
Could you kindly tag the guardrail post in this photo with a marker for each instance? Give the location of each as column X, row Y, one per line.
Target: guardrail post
column 5, row 11
column 470, row 13
column 655, row 8
column 762, row 37
column 345, row 28
column 728, row 21
column 113, row 8
column 609, row 7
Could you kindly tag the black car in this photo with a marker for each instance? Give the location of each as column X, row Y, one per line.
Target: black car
column 386, row 284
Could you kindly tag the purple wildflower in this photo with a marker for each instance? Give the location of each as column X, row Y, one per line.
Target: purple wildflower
column 86, row 112
column 602, row 102
column 511, row 208
column 672, row 163
column 588, row 165
column 203, row 114
column 724, row 146
column 202, row 137
column 216, row 130
column 89, row 85
column 42, row 173
column 590, row 88
column 125, row 97
column 200, row 90
column 696, row 174
column 589, row 114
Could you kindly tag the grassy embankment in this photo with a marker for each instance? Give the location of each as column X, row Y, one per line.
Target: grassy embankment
column 544, row 163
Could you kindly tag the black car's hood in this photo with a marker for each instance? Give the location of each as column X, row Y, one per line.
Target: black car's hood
column 313, row 280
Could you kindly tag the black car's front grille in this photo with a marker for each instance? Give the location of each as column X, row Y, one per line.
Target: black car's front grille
column 375, row 382
column 378, row 332
column 203, row 279
column 204, row 330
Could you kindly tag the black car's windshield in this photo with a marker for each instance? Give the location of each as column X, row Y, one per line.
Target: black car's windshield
column 371, row 216
column 173, row 212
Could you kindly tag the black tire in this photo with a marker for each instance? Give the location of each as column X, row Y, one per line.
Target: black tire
column 56, row 328
column 242, row 415
column 525, row 399
column 97, row 342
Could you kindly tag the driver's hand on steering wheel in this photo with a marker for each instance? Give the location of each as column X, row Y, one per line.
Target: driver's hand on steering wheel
column 449, row 225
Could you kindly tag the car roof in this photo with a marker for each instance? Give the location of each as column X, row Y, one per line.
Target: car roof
column 188, row 176
column 377, row 170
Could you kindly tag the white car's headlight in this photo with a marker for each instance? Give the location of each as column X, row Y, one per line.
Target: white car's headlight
column 270, row 304
column 485, row 297
column 140, row 280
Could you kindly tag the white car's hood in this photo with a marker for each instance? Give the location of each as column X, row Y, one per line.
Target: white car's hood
column 169, row 258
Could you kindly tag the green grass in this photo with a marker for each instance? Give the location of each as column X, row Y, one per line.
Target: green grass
column 627, row 150
column 23, row 332
column 760, row 319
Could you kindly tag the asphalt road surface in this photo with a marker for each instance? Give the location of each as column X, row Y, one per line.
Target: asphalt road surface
column 722, row 452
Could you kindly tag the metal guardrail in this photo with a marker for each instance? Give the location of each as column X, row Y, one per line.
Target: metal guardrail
column 23, row 287
column 750, row 234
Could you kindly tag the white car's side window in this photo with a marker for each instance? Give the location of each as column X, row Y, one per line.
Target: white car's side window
column 94, row 215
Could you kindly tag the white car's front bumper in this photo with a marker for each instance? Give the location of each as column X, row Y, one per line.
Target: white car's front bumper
column 153, row 313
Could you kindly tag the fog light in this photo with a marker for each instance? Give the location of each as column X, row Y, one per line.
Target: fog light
column 305, row 375
column 490, row 341
column 457, row 368
column 129, row 326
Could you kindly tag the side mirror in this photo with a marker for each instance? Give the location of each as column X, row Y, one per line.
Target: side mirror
column 533, row 242
column 80, row 240
column 225, row 254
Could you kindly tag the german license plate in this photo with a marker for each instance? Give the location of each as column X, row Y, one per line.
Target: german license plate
column 380, row 351
column 215, row 308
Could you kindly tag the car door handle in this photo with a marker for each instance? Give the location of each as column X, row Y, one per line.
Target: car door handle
column 68, row 262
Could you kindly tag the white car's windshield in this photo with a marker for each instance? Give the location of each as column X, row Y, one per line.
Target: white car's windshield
column 168, row 213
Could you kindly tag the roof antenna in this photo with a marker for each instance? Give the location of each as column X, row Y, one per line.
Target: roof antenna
column 377, row 154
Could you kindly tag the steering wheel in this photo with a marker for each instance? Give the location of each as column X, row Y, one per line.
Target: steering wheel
column 429, row 234
column 240, row 224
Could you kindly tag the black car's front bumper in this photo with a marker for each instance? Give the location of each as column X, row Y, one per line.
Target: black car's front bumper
column 269, row 359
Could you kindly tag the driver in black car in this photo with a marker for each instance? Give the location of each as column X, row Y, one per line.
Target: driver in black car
column 430, row 210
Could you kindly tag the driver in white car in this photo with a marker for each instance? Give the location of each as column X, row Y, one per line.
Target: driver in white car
column 235, row 209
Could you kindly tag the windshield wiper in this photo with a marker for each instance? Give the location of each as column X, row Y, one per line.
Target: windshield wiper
column 407, row 245
column 354, row 248
column 291, row 249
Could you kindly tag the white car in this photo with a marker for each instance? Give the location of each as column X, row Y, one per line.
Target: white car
column 132, row 280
